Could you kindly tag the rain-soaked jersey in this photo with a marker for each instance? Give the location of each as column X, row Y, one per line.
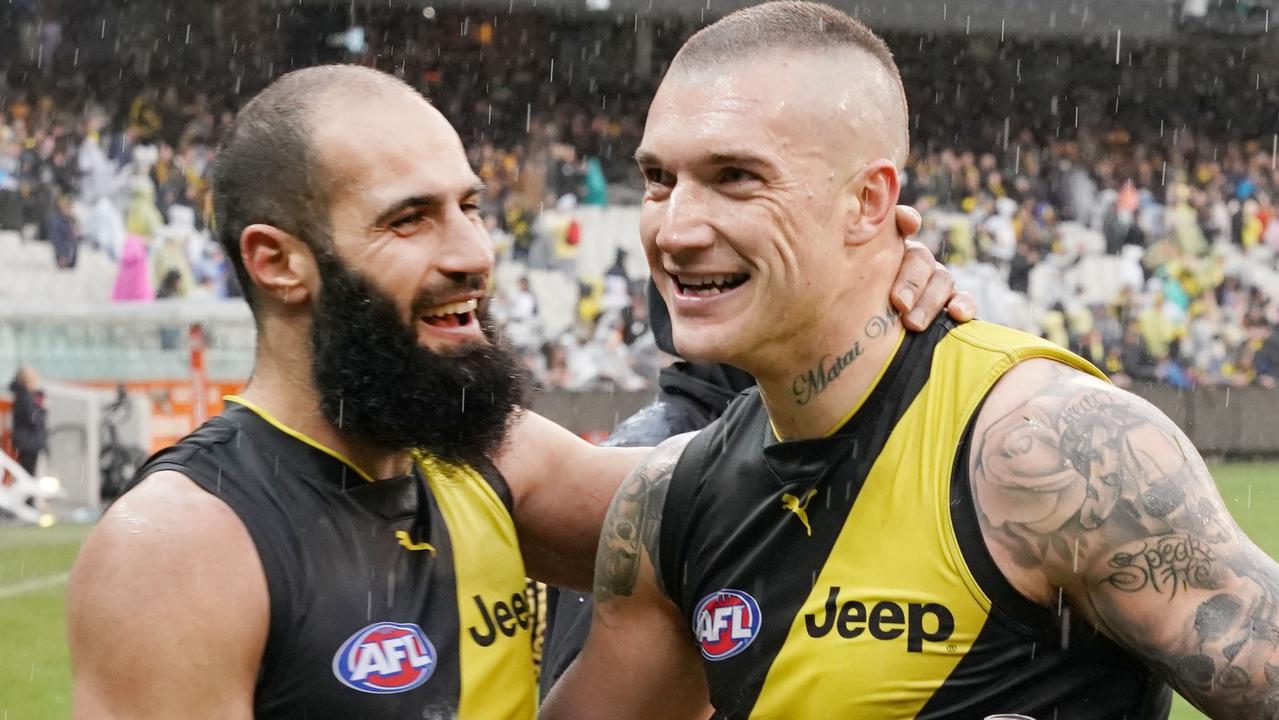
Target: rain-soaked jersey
column 847, row 577
column 401, row 598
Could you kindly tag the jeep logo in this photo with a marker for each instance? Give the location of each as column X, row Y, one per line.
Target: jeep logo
column 504, row 619
column 884, row 621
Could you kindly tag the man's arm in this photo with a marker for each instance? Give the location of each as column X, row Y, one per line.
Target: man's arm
column 1089, row 489
column 561, row 486
column 638, row 655
column 167, row 608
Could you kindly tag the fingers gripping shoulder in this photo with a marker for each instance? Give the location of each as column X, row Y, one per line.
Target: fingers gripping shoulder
column 628, row 547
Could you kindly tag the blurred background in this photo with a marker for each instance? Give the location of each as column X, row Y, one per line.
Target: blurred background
column 1100, row 173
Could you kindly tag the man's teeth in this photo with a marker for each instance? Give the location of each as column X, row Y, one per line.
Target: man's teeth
column 708, row 285
column 457, row 308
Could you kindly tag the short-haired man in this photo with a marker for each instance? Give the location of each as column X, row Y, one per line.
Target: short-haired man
column 946, row 524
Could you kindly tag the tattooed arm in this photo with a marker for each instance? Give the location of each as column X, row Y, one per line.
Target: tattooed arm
column 639, row 655
column 1089, row 491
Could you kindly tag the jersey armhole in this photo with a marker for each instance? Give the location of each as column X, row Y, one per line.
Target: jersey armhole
column 281, row 582
column 497, row 482
column 677, row 514
column 1005, row 600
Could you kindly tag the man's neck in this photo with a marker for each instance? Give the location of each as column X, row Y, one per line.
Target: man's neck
column 288, row 394
column 814, row 394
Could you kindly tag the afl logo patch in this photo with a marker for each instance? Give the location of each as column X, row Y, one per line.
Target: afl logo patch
column 385, row 658
column 725, row 623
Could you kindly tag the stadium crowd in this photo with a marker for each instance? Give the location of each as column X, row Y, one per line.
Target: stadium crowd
column 1150, row 251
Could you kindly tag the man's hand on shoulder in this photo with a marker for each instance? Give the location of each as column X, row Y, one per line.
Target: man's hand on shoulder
column 1087, row 490
column 167, row 608
column 924, row 287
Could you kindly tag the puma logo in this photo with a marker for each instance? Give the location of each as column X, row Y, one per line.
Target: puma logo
column 407, row 542
column 800, row 507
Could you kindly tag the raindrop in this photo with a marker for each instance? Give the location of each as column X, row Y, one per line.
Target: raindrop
column 1065, row 629
column 103, row 35
column 1118, row 37
column 552, row 79
column 218, row 490
column 341, row 410
column 1060, row 594
column 1075, row 562
column 463, row 398
column 968, row 25
column 75, row 62
column 1227, row 387
column 368, row 612
column 1001, row 29
column 188, row 38
column 1249, row 496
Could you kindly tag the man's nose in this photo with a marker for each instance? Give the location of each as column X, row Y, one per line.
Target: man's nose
column 469, row 249
column 686, row 225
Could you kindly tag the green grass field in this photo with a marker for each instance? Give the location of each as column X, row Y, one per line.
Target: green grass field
column 35, row 676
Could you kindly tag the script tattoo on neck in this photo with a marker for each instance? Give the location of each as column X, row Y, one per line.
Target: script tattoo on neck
column 810, row 384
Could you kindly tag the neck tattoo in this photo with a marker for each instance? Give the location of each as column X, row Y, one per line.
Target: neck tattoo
column 809, row 385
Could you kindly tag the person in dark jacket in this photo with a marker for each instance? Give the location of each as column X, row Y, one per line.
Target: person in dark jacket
column 30, row 419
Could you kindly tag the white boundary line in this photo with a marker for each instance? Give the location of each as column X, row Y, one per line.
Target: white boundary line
column 33, row 585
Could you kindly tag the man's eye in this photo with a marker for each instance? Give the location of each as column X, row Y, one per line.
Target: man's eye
column 406, row 224
column 736, row 175
column 470, row 207
column 657, row 176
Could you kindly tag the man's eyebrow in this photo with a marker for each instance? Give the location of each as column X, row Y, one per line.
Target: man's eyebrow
column 737, row 157
column 732, row 157
column 424, row 201
column 645, row 157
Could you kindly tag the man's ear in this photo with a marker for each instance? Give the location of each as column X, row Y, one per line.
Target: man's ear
column 877, row 187
column 281, row 266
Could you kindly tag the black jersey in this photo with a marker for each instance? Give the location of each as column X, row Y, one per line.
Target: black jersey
column 847, row 576
column 401, row 598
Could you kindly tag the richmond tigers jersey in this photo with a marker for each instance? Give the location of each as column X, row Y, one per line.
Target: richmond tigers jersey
column 401, row 598
column 846, row 576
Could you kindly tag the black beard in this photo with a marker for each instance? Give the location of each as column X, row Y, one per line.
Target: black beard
column 378, row 384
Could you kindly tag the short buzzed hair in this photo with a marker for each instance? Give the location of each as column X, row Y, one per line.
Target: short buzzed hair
column 788, row 25
column 267, row 169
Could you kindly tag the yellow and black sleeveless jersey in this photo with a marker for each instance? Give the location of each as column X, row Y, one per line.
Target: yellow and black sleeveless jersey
column 847, row 577
column 401, row 598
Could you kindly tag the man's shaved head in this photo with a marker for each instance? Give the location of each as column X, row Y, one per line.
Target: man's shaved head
column 268, row 169
column 798, row 29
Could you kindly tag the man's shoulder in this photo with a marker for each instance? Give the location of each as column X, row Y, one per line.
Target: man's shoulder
column 169, row 509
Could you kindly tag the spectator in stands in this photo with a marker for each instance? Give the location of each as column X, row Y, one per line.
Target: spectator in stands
column 30, row 419
column 143, row 219
column 62, row 231
column 133, row 278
